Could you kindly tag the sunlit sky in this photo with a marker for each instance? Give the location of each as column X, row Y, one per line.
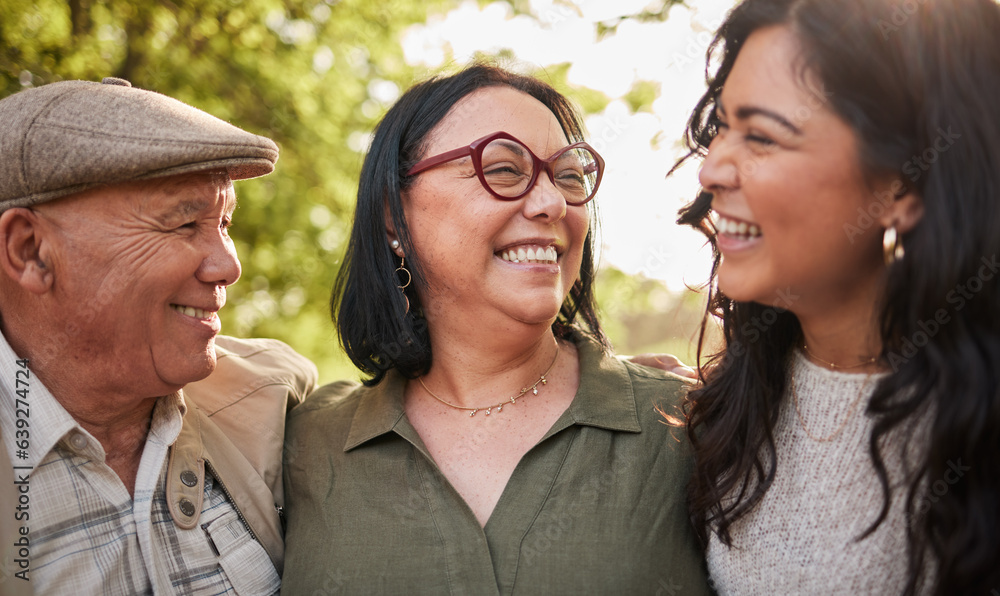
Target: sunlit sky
column 638, row 205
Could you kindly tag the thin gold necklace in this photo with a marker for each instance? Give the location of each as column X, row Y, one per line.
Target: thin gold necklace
column 831, row 365
column 499, row 407
column 847, row 417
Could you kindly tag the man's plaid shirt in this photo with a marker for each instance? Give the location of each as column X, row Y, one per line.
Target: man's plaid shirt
column 88, row 536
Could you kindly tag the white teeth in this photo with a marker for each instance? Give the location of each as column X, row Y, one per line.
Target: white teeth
column 532, row 254
column 737, row 228
column 193, row 312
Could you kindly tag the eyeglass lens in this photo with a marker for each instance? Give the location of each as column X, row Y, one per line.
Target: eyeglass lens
column 508, row 168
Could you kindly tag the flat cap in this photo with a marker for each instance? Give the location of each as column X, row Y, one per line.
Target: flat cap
column 62, row 138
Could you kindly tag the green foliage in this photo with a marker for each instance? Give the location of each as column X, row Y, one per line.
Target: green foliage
column 640, row 315
column 315, row 76
column 588, row 100
column 655, row 12
column 641, row 96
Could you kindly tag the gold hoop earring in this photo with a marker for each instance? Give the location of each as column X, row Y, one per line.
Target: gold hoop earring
column 892, row 246
column 402, row 288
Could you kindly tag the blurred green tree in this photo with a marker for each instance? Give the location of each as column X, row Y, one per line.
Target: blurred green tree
column 315, row 76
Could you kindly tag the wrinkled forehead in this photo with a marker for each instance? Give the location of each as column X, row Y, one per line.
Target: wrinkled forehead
column 210, row 186
column 181, row 195
column 495, row 109
column 190, row 195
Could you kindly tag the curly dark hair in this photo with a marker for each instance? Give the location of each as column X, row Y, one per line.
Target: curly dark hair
column 897, row 73
column 367, row 305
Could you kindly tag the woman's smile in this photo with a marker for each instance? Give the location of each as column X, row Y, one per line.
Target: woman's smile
column 530, row 254
column 735, row 235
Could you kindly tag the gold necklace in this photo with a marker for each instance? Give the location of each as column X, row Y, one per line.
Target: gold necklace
column 499, row 407
column 847, row 417
column 871, row 360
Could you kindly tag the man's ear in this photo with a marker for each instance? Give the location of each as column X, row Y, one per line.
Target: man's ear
column 23, row 250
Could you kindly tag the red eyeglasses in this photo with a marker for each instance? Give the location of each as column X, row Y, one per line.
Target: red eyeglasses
column 508, row 170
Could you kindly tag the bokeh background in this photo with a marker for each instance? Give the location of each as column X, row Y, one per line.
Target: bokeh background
column 316, row 75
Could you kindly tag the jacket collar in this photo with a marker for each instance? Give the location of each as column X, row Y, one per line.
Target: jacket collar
column 201, row 442
column 605, row 400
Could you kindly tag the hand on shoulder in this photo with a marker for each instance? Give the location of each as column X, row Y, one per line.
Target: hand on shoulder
column 667, row 362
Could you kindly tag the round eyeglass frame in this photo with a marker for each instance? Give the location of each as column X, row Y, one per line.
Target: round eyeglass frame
column 475, row 151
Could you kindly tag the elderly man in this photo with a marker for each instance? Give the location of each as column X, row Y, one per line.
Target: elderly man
column 114, row 263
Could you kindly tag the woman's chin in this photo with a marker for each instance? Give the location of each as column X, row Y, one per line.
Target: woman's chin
column 736, row 288
column 536, row 316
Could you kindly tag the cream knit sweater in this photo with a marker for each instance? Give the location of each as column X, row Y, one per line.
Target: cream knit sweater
column 802, row 536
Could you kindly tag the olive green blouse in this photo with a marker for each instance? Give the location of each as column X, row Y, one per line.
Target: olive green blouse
column 596, row 507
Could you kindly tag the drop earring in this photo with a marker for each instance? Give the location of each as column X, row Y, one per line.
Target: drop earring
column 402, row 289
column 892, row 246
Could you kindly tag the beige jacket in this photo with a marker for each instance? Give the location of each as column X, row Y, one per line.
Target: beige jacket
column 235, row 425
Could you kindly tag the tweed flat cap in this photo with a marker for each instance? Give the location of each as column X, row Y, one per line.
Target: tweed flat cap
column 66, row 137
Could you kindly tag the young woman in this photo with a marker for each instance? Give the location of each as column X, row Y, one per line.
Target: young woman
column 847, row 438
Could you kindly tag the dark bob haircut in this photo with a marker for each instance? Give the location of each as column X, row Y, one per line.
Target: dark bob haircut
column 375, row 328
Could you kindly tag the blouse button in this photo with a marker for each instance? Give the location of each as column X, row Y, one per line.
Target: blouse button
column 78, row 442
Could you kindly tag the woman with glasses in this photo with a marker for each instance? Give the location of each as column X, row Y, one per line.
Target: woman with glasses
column 847, row 437
column 495, row 447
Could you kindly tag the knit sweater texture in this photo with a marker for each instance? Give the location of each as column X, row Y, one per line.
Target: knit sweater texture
column 802, row 538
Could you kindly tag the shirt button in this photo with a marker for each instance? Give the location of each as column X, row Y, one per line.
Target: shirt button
column 186, row 507
column 78, row 442
column 189, row 478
